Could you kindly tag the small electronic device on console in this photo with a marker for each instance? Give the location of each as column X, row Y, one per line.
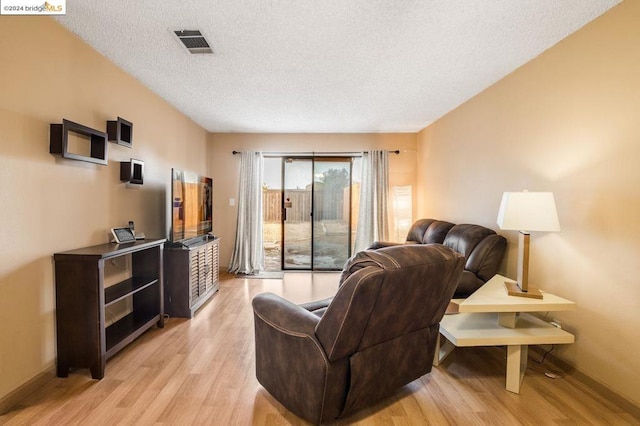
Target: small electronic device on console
column 123, row 235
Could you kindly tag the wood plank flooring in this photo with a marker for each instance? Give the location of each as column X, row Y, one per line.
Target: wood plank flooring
column 202, row 372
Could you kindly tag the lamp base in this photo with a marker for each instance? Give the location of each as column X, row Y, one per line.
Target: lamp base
column 513, row 289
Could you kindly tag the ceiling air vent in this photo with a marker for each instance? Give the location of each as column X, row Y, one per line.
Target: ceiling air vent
column 194, row 41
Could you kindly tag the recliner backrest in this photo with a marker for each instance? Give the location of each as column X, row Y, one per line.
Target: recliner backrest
column 417, row 230
column 437, row 232
column 428, row 231
column 465, row 237
column 391, row 292
column 486, row 257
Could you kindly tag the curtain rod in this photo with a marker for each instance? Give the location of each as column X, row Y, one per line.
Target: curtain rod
column 284, row 154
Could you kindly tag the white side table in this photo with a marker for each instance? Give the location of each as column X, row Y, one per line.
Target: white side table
column 490, row 317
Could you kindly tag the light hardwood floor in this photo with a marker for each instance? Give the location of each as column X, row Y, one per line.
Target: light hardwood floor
column 202, row 372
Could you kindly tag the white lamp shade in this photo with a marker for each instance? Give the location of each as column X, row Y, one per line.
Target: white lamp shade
column 528, row 211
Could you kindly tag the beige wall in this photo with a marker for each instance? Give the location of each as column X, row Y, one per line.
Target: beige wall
column 225, row 167
column 49, row 204
column 567, row 122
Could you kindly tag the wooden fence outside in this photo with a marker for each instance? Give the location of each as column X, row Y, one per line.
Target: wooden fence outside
column 330, row 205
column 271, row 205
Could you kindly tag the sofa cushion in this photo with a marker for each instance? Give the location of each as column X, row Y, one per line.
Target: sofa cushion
column 437, row 232
column 464, row 238
column 417, row 230
column 485, row 260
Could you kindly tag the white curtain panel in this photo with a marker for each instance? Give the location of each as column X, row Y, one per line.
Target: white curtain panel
column 373, row 219
column 248, row 252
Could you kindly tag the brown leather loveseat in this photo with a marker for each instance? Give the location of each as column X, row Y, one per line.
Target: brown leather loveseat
column 482, row 248
column 377, row 334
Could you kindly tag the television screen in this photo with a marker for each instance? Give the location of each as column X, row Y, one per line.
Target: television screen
column 191, row 211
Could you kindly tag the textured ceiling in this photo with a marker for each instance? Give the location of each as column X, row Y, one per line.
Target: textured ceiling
column 313, row 66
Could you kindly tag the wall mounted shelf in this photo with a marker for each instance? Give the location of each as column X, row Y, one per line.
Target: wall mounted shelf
column 132, row 171
column 60, row 143
column 120, row 131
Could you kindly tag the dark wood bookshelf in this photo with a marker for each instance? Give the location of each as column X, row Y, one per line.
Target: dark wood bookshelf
column 126, row 330
column 119, row 291
column 84, row 339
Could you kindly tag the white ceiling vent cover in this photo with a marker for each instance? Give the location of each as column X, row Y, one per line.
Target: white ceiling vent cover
column 194, row 41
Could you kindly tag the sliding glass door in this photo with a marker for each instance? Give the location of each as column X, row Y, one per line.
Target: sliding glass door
column 308, row 212
column 297, row 234
column 331, row 212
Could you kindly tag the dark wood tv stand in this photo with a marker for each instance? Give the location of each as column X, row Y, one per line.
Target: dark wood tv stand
column 84, row 340
column 191, row 275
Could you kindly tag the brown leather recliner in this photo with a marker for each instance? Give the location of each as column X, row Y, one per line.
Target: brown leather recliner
column 377, row 334
column 482, row 248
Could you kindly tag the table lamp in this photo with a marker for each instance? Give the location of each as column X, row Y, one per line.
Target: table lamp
column 525, row 212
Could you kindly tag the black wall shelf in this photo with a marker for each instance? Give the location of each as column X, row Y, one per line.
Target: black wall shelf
column 132, row 171
column 59, row 142
column 120, row 131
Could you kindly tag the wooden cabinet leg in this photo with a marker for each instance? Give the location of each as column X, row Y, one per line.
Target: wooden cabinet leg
column 97, row 370
column 62, row 370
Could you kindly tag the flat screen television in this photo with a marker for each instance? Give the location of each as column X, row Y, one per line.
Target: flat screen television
column 191, row 206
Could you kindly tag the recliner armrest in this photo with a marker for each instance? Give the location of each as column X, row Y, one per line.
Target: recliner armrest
column 284, row 315
column 290, row 361
column 317, row 305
